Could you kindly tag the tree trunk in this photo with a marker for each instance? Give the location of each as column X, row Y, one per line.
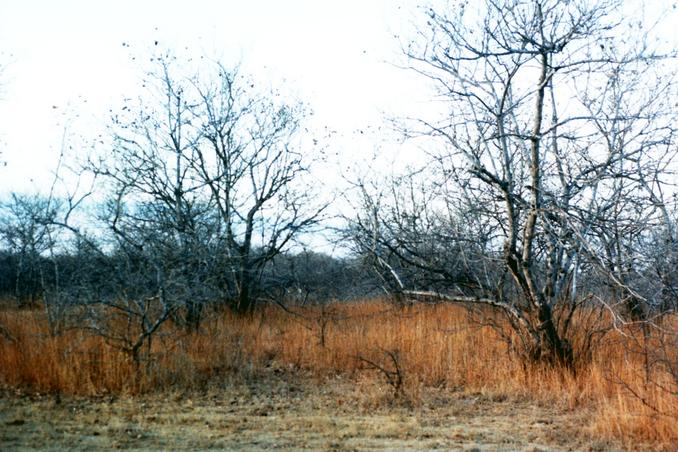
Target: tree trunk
column 193, row 315
column 552, row 348
column 244, row 305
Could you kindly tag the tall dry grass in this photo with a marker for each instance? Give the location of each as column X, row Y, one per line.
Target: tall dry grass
column 435, row 345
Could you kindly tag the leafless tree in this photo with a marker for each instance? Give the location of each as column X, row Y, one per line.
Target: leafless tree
column 249, row 156
column 31, row 232
column 25, row 222
column 310, row 277
column 553, row 162
column 155, row 210
column 206, row 181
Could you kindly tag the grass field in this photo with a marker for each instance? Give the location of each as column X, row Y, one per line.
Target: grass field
column 357, row 375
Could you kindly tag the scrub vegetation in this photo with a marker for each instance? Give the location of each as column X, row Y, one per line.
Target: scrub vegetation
column 527, row 258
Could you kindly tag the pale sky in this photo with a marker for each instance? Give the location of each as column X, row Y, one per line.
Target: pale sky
column 66, row 65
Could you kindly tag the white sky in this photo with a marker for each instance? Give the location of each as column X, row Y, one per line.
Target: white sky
column 67, row 66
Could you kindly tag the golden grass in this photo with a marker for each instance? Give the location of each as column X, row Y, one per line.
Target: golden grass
column 435, row 345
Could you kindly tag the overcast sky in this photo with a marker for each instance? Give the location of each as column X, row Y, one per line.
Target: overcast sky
column 66, row 65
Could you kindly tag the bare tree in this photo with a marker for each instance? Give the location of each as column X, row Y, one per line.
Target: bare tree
column 30, row 229
column 156, row 207
column 249, row 157
column 553, row 162
column 206, row 182
column 25, row 222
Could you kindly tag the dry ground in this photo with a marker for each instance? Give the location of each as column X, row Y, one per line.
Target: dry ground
column 283, row 411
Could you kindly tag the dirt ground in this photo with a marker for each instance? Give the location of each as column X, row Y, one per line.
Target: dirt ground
column 282, row 412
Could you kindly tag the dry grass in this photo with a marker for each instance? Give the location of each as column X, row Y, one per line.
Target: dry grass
column 434, row 345
column 277, row 411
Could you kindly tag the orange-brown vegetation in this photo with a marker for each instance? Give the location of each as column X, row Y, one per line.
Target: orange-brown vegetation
column 432, row 345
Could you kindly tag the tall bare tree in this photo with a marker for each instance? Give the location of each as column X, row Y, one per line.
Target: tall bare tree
column 208, row 173
column 156, row 206
column 553, row 160
column 249, row 156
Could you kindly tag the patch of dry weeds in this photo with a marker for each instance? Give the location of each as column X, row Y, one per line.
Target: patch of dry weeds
column 284, row 412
